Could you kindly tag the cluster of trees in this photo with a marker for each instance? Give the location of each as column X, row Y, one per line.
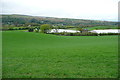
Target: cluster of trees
column 45, row 28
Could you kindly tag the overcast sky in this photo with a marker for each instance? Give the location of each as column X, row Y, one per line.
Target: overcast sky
column 80, row 9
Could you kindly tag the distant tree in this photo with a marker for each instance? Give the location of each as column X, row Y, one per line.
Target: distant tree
column 45, row 28
column 33, row 20
column 80, row 29
column 30, row 30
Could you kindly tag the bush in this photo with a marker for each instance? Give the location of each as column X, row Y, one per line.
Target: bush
column 30, row 30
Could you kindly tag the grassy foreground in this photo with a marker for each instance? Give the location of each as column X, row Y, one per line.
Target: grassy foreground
column 36, row 55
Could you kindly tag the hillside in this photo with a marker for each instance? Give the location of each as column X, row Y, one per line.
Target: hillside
column 25, row 20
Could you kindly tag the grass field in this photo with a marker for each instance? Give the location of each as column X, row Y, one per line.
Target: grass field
column 102, row 27
column 36, row 55
column 98, row 27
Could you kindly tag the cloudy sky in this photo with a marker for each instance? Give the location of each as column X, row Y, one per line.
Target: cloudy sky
column 81, row 9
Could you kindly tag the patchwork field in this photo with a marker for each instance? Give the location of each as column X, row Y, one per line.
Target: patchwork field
column 37, row 55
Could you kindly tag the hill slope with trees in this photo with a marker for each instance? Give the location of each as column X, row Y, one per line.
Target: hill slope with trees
column 26, row 20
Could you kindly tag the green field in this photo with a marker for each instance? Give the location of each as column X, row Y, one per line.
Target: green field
column 37, row 55
column 102, row 27
column 98, row 27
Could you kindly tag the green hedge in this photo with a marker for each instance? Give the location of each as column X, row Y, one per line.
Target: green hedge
column 102, row 34
column 76, row 34
column 84, row 34
column 17, row 28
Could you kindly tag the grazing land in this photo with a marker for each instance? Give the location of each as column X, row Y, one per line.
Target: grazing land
column 102, row 27
column 37, row 55
column 98, row 27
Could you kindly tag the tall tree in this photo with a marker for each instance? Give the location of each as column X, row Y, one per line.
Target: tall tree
column 45, row 28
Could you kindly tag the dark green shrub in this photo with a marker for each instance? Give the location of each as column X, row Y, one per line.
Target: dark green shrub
column 102, row 34
column 30, row 30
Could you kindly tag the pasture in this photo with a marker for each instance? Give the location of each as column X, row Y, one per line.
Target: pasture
column 37, row 55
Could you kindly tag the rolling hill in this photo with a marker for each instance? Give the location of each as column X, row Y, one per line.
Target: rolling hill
column 25, row 20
